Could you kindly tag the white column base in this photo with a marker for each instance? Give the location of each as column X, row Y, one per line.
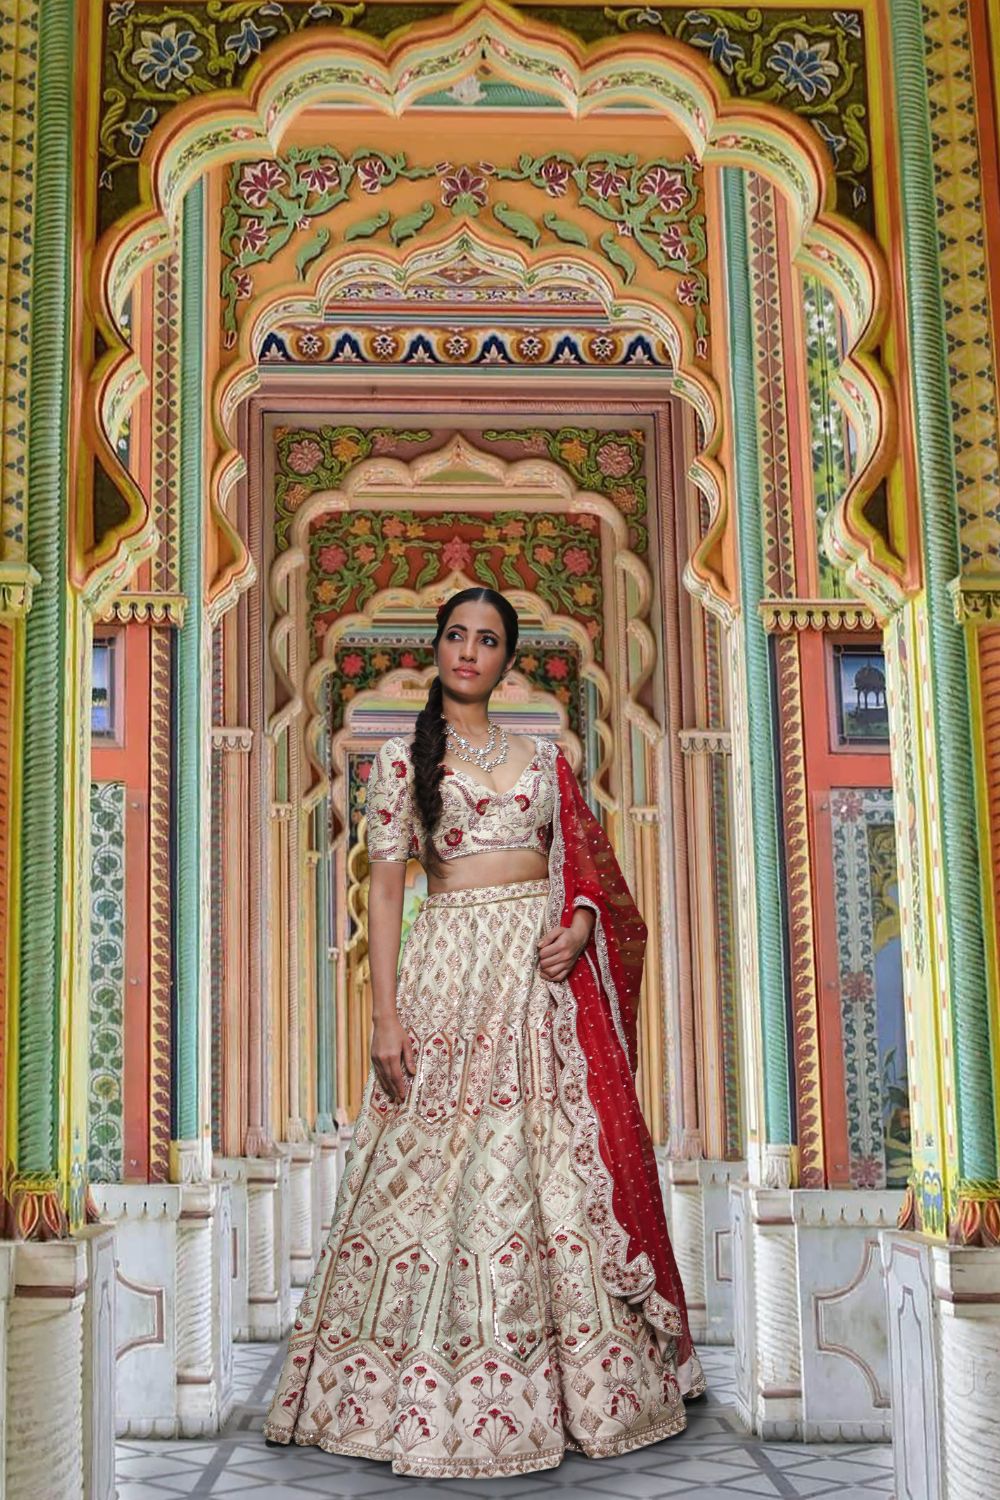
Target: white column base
column 173, row 1306
column 328, row 1177
column 262, row 1289
column 842, row 1313
column 44, row 1436
column 304, row 1198
column 701, row 1232
column 809, row 1313
column 99, row 1363
column 944, row 1356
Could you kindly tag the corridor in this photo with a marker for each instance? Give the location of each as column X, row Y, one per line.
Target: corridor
column 712, row 1460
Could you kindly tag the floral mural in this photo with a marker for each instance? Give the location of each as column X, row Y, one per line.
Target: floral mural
column 652, row 210
column 352, row 556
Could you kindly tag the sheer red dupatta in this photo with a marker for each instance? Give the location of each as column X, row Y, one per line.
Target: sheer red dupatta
column 596, row 1037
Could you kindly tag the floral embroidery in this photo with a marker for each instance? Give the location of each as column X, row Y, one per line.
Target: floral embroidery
column 453, row 837
column 522, row 801
column 482, row 805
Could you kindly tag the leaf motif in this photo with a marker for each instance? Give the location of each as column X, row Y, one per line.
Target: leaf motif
column 518, row 223
column 310, row 251
column 570, row 234
column 411, row 224
column 365, row 228
column 618, row 256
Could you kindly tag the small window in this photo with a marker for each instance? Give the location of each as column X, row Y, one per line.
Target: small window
column 106, row 689
column 860, row 707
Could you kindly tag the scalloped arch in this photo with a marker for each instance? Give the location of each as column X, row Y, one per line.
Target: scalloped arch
column 388, row 77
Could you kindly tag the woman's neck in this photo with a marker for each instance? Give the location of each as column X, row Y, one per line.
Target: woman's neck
column 475, row 726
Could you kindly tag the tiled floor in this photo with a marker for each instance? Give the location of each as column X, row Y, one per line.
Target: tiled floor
column 713, row 1459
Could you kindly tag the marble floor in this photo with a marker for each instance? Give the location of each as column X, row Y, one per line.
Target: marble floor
column 713, row 1459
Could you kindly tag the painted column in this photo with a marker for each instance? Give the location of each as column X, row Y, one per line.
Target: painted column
column 770, row 1156
column 50, row 1135
column 958, row 1160
column 191, row 1138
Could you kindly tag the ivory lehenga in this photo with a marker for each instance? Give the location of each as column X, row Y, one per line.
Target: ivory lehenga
column 498, row 1285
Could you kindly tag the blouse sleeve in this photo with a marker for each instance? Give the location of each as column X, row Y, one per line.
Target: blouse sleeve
column 389, row 809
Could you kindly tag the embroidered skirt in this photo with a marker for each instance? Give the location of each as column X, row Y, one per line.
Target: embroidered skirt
column 456, row 1324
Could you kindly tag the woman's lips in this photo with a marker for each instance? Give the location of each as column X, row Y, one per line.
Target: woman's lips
column 466, row 672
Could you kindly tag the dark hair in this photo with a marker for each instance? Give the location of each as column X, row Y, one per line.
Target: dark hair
column 428, row 744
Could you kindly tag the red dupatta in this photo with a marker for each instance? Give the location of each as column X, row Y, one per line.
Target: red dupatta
column 595, row 1033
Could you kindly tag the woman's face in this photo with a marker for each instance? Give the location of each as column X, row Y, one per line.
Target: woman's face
column 472, row 651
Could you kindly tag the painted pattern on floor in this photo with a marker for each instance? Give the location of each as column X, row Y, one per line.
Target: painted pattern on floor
column 713, row 1459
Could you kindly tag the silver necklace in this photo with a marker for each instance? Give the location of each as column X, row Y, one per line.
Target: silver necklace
column 482, row 756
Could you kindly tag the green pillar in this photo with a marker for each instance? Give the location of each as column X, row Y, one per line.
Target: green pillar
column 962, row 845
column 191, row 867
column 47, row 772
column 759, row 709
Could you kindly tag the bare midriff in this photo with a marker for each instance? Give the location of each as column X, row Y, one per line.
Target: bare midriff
column 505, row 867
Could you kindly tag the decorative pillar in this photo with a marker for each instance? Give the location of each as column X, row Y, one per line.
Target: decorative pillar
column 191, row 1136
column 762, row 915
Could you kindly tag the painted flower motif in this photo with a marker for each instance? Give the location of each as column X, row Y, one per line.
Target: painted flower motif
column 716, row 41
column 625, row 498
column 556, row 667
column 453, row 838
column 808, row 70
column 673, row 244
column 867, row 1172
column 331, row 558
column 365, row 553
column 385, row 346
column 464, row 191
column 166, row 56
column 555, row 177
column 393, row 526
column 587, row 523
column 849, row 21
column 614, row 460
column 576, row 561
column 254, row 237
column 371, row 174
column 847, row 806
column 136, row 132
column 248, row 41
column 544, row 554
column 407, row 659
column 304, row 456
column 687, row 291
column 456, row 553
column 345, row 448
column 119, row 11
column 242, row 285
column 857, row 986
column 666, row 187
column 573, row 450
column 605, row 182
column 513, row 528
column 352, row 665
column 319, row 176
column 310, row 345
column 530, row 347
column 833, row 142
column 701, row 347
column 583, row 593
column 603, row 348
column 258, row 179
column 457, row 346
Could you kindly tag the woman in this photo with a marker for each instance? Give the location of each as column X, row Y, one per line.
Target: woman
column 498, row 1285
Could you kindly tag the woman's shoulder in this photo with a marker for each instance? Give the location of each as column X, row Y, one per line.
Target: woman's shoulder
column 396, row 748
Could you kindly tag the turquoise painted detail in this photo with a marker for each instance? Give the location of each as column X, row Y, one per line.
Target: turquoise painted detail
column 962, row 846
column 188, row 727
column 772, row 967
column 45, row 790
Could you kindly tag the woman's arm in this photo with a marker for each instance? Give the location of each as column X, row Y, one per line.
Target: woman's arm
column 391, row 1047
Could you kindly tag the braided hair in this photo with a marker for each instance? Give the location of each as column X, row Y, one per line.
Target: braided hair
column 427, row 747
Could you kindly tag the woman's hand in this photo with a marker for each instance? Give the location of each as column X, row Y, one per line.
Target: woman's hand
column 392, row 1050
column 560, row 947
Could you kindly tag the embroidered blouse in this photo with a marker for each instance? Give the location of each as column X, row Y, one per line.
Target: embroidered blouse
column 474, row 818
